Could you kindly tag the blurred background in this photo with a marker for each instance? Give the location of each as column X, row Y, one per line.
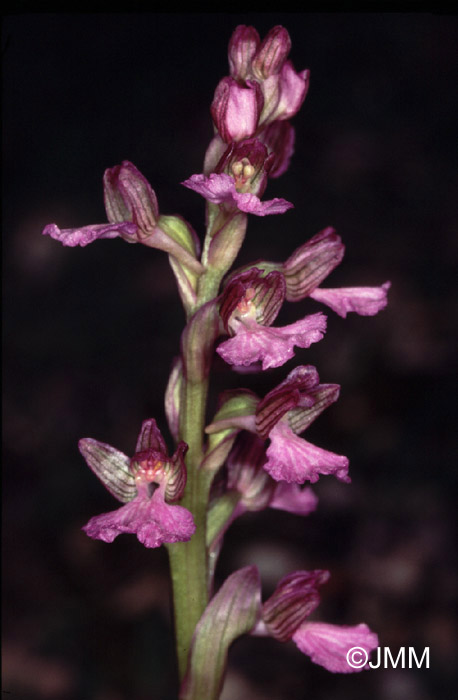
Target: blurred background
column 89, row 336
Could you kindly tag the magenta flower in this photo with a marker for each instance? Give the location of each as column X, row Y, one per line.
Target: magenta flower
column 249, row 304
column 256, row 489
column 287, row 411
column 239, row 180
column 146, row 512
column 246, row 474
column 281, row 416
column 131, row 207
column 312, row 262
column 285, row 613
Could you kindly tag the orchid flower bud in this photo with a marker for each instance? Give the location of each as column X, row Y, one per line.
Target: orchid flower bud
column 235, row 109
column 242, row 48
column 272, row 53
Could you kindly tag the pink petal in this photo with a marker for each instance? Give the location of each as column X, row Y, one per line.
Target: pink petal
column 293, row 499
column 293, row 459
column 366, row 301
column 88, row 234
column 251, row 204
column 328, row 645
column 151, row 519
column 217, row 188
column 274, row 346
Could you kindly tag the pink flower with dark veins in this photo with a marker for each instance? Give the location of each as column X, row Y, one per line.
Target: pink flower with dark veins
column 246, row 474
column 240, row 179
column 285, row 616
column 131, row 207
column 249, row 304
column 312, row 262
column 287, row 411
column 145, row 483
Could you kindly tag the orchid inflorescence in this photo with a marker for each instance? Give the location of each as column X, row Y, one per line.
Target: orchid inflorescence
column 250, row 455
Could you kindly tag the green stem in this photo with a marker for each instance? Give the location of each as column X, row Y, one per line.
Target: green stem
column 188, row 560
column 189, row 564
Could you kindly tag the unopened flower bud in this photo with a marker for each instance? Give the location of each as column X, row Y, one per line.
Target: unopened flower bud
column 235, row 109
column 272, row 53
column 242, row 48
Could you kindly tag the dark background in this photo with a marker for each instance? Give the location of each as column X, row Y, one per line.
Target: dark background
column 89, row 335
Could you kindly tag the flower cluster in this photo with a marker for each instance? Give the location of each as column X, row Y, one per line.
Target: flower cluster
column 251, row 456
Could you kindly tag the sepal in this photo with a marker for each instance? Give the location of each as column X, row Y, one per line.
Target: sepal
column 111, row 466
column 294, row 599
column 311, row 263
column 150, row 438
column 272, row 53
column 290, row 393
column 128, row 196
column 176, row 474
column 242, row 48
column 251, row 290
column 300, row 417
